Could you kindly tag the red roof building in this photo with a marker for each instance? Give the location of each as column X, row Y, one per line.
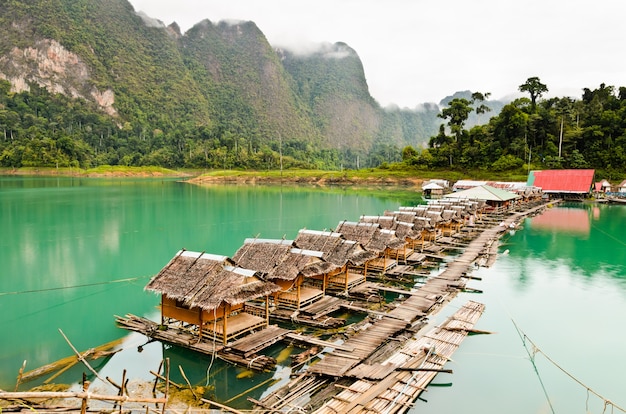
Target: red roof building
column 562, row 181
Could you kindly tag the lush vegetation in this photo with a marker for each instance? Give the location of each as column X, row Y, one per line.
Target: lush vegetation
column 40, row 129
column 531, row 133
column 220, row 97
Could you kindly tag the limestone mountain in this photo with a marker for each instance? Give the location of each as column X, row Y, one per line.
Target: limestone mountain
column 121, row 88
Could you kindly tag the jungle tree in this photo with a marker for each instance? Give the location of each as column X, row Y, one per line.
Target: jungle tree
column 535, row 88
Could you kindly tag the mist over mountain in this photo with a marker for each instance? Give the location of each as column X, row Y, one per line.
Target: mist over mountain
column 218, row 94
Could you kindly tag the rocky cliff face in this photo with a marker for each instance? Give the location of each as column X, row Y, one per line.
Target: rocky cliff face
column 48, row 64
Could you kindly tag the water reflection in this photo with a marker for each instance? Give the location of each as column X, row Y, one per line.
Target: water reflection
column 585, row 238
column 564, row 220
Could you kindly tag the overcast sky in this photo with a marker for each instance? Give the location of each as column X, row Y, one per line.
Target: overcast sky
column 416, row 51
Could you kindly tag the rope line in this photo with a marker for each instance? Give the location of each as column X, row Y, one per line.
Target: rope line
column 537, row 350
column 610, row 236
column 131, row 279
column 531, row 356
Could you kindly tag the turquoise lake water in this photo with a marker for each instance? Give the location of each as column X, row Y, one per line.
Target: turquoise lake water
column 76, row 252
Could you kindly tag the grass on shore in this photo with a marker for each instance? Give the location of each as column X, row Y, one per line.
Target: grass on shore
column 100, row 171
column 399, row 175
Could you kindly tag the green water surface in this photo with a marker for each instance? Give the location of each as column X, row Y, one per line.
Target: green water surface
column 76, row 252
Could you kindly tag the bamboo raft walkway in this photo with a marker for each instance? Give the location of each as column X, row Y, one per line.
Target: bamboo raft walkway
column 393, row 385
column 380, row 388
column 242, row 352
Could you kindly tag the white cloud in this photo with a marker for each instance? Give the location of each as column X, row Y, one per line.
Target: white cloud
column 422, row 50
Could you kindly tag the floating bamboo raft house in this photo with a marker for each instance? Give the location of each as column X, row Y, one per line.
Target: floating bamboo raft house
column 215, row 304
column 208, row 294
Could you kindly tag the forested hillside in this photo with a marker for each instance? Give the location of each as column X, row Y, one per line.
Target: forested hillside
column 533, row 133
column 89, row 82
column 93, row 82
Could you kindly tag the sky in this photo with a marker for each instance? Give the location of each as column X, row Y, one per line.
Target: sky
column 416, row 51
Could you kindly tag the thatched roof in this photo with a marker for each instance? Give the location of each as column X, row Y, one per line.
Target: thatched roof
column 406, row 230
column 385, row 222
column 418, row 210
column 361, row 232
column 384, row 239
column 336, row 248
column 297, row 262
column 262, row 255
column 370, row 235
column 233, row 285
column 207, row 280
column 321, row 241
column 401, row 222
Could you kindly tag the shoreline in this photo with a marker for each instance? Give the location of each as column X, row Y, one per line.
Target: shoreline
column 322, row 178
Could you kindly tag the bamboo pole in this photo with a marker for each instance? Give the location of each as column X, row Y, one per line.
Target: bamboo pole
column 78, row 395
column 182, row 372
column 162, row 378
column 19, row 376
column 225, row 324
column 83, row 404
column 61, row 371
column 249, row 390
column 80, row 357
column 156, row 379
column 225, row 407
column 167, row 384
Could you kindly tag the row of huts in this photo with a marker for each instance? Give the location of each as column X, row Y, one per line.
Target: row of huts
column 570, row 184
column 222, row 298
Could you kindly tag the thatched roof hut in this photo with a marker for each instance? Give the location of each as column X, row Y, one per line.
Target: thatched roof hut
column 336, row 248
column 308, row 263
column 262, row 255
column 207, row 281
column 370, row 235
column 385, row 222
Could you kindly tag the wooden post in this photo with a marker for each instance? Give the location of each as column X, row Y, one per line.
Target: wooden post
column 83, row 404
column 225, row 323
column 201, row 321
column 167, row 384
column 267, row 310
column 162, row 309
column 298, row 291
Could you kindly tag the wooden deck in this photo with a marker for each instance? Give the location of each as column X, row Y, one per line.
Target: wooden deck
column 173, row 335
column 251, row 344
column 236, row 326
column 346, row 281
column 323, row 307
column 308, row 295
column 380, row 265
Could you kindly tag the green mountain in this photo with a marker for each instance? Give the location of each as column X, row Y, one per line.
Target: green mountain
column 93, row 82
